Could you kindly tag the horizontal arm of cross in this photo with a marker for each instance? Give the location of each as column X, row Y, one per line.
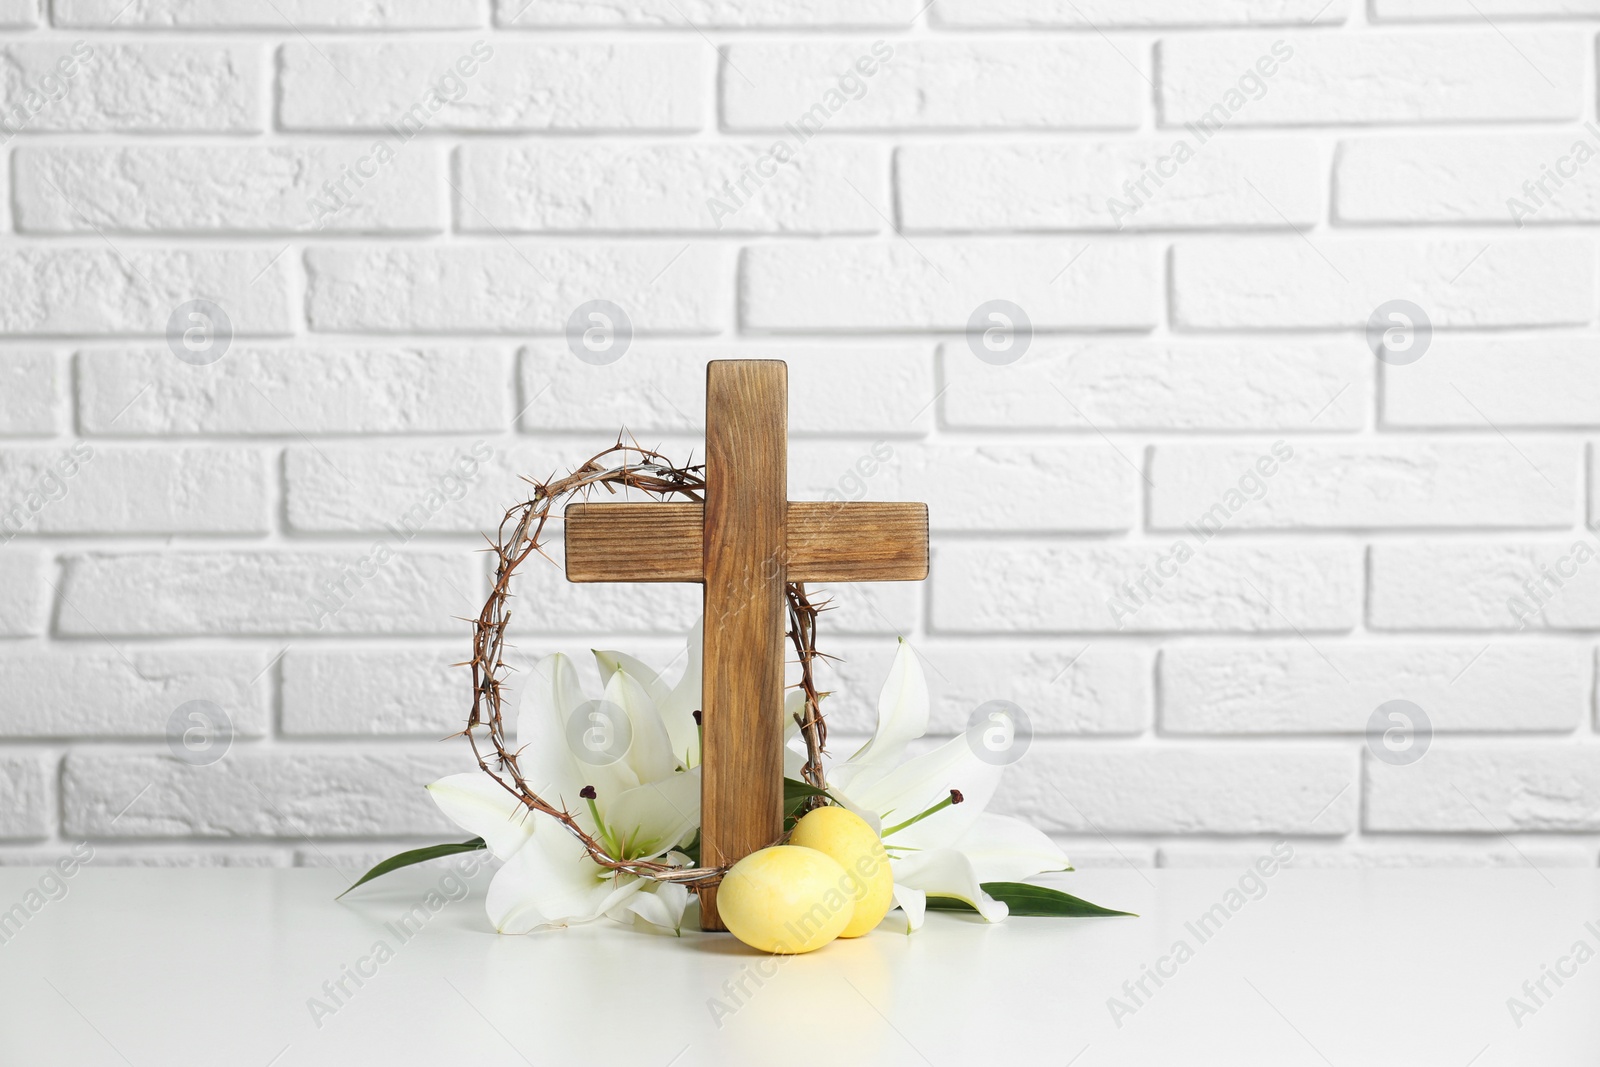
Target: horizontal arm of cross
column 826, row 542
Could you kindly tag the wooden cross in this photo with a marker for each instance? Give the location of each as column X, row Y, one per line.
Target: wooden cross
column 743, row 544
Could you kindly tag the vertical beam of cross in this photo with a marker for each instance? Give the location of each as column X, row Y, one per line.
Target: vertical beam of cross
column 745, row 537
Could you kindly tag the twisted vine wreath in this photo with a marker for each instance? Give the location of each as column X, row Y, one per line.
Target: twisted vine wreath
column 520, row 535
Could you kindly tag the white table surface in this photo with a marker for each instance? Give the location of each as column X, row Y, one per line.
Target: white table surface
column 215, row 967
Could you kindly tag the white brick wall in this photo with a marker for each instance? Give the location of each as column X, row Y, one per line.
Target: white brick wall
column 192, row 189
column 1196, row 530
column 1286, row 284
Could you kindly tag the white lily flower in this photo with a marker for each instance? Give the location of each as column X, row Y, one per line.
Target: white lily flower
column 637, row 748
column 935, row 847
column 644, row 770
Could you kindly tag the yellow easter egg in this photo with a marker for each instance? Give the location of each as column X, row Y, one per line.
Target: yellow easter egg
column 847, row 838
column 785, row 899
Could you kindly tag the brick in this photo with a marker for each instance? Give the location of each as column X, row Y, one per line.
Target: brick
column 1483, row 178
column 1095, row 853
column 188, row 858
column 672, row 14
column 1063, row 687
column 936, row 284
column 30, row 394
column 1495, row 381
column 415, row 691
column 654, row 609
column 294, row 391
column 201, row 190
column 503, row 288
column 1476, row 10
column 800, row 88
column 1551, row 584
column 1325, row 857
column 890, row 394
column 412, row 691
column 258, row 794
column 630, row 608
column 172, row 88
column 878, row 609
column 1001, row 588
column 64, row 291
column 103, row 855
column 1594, row 487
column 1066, row 488
column 1304, row 78
column 455, row 487
column 398, row 88
column 1101, row 14
column 19, row 14
column 301, row 14
column 1172, row 789
column 270, row 593
column 22, row 591
column 110, row 490
column 674, row 188
column 1294, row 284
column 1475, row 789
column 1351, row 485
column 1336, row 687
column 95, row 691
column 1137, row 384
column 1110, row 185
column 27, row 796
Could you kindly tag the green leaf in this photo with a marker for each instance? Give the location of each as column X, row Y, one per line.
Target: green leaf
column 794, row 790
column 416, row 855
column 1025, row 899
column 795, row 795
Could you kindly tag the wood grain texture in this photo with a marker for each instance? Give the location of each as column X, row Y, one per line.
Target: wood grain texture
column 857, row 542
column 635, row 542
column 746, row 512
column 826, row 542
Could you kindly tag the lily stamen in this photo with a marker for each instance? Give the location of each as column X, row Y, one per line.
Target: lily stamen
column 589, row 796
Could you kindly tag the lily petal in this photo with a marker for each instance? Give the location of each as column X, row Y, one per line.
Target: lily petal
column 655, row 816
column 612, row 662
column 1003, row 849
column 902, row 716
column 553, row 694
column 649, row 754
column 660, row 904
column 794, row 758
column 551, row 881
column 555, row 690
column 920, row 783
column 947, row 873
column 914, row 902
column 481, row 806
column 678, row 707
